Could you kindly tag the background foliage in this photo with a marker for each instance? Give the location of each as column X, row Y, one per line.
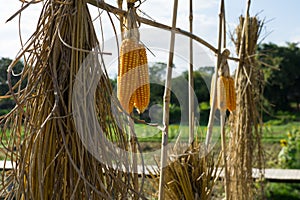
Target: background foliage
column 280, row 64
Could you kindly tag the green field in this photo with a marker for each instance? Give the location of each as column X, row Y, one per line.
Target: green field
column 271, row 133
column 150, row 139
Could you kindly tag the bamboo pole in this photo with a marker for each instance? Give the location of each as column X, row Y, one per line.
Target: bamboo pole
column 191, row 82
column 224, row 150
column 224, row 27
column 223, row 116
column 215, row 77
column 167, row 97
column 222, row 57
column 133, row 145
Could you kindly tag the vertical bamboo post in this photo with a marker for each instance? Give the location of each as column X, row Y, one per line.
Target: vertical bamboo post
column 191, row 82
column 224, row 26
column 133, row 146
column 224, row 149
column 242, row 44
column 167, row 97
column 223, row 115
column 214, row 89
column 214, row 93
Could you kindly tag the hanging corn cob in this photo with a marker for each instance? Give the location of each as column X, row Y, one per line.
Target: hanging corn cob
column 126, row 82
column 225, row 97
column 133, row 89
column 226, row 94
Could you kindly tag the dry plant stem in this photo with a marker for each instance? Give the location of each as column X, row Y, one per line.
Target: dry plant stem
column 214, row 92
column 245, row 143
column 224, row 151
column 191, row 81
column 133, row 145
column 53, row 162
column 166, row 109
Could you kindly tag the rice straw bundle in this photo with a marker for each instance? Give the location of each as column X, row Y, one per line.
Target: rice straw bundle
column 245, row 143
column 189, row 175
column 52, row 161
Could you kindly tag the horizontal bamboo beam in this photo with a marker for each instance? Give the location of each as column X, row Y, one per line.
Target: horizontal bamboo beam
column 102, row 5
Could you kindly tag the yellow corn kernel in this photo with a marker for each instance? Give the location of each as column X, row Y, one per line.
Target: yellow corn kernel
column 126, row 81
column 142, row 93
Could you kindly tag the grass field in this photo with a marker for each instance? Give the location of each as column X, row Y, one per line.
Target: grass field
column 150, row 136
column 150, row 140
column 272, row 134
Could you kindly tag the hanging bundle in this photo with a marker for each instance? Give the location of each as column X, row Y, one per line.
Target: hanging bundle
column 133, row 87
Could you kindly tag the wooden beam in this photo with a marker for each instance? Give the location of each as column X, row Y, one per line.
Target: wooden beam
column 102, row 5
column 279, row 175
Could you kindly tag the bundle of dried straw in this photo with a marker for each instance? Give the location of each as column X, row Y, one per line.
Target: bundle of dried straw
column 51, row 160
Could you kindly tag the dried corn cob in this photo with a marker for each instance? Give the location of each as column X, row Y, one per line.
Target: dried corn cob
column 231, row 98
column 222, row 93
column 226, row 93
column 142, row 93
column 126, row 82
column 133, row 77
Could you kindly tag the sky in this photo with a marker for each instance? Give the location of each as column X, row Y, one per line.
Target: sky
column 281, row 25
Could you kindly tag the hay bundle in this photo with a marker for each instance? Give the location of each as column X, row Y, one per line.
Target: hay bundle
column 245, row 143
column 52, row 161
column 190, row 174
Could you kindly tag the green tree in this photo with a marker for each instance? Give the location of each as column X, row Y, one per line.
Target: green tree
column 281, row 67
column 4, row 63
column 179, row 94
column 157, row 72
column 7, row 104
